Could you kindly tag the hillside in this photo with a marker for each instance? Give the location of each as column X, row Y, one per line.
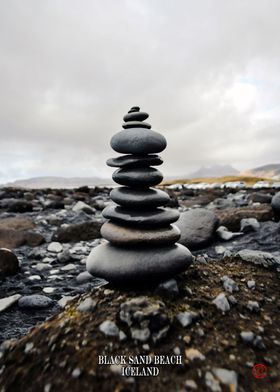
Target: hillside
column 249, row 180
column 59, row 182
column 213, row 171
column 269, row 171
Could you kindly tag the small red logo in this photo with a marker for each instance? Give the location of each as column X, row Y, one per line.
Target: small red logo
column 259, row 370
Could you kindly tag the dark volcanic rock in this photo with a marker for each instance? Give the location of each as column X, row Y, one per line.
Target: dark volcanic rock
column 231, row 217
column 54, row 205
column 136, row 124
column 9, row 264
column 275, row 203
column 136, row 116
column 135, row 161
column 197, row 228
column 20, row 206
column 260, row 197
column 127, row 236
column 142, row 264
column 157, row 217
column 78, row 232
column 138, row 141
column 139, row 198
column 138, row 177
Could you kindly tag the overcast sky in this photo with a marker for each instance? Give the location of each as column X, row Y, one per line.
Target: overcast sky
column 207, row 72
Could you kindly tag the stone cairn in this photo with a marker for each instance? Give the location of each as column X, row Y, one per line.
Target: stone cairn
column 141, row 245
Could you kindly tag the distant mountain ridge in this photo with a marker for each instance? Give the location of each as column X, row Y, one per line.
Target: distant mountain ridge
column 266, row 171
column 214, row 171
column 269, row 171
column 59, row 182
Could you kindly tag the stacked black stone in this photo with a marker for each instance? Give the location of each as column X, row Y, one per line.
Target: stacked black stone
column 141, row 239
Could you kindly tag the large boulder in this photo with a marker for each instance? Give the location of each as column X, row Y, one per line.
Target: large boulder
column 261, row 197
column 266, row 259
column 15, row 232
column 197, row 228
column 231, row 217
column 20, row 206
column 9, row 264
column 78, row 232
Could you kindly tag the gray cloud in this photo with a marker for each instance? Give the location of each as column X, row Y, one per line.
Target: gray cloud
column 206, row 71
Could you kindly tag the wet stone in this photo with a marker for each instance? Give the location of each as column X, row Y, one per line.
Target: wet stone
column 35, row 301
column 139, row 198
column 134, row 109
column 139, row 264
column 157, row 217
column 136, row 124
column 135, row 161
column 138, row 177
column 138, row 141
column 9, row 263
column 126, row 236
column 135, row 116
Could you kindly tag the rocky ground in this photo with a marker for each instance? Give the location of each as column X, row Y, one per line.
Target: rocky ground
column 221, row 316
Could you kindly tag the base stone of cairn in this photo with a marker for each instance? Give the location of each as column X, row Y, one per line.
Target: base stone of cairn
column 141, row 245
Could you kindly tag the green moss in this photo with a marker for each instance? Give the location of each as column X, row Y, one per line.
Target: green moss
column 71, row 312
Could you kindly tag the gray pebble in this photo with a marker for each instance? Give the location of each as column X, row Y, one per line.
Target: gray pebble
column 84, row 277
column 55, row 247
column 109, row 328
column 35, row 301
column 251, row 284
column 87, row 305
column 221, row 302
column 247, row 336
column 185, row 318
column 141, row 335
column 253, row 306
column 229, row 284
column 76, row 373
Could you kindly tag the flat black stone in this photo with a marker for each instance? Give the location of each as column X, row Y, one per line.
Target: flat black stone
column 139, row 198
column 158, row 217
column 141, row 264
column 135, row 161
column 129, row 236
column 136, row 124
column 138, row 141
column 135, row 116
column 138, row 177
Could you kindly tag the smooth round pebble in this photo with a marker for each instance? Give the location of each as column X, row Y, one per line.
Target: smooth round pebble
column 35, row 301
column 138, row 177
column 135, row 161
column 139, row 198
column 158, row 217
column 139, row 264
column 126, row 236
column 138, row 141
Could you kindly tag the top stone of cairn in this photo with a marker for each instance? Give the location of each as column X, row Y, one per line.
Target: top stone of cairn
column 140, row 139
column 141, row 238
